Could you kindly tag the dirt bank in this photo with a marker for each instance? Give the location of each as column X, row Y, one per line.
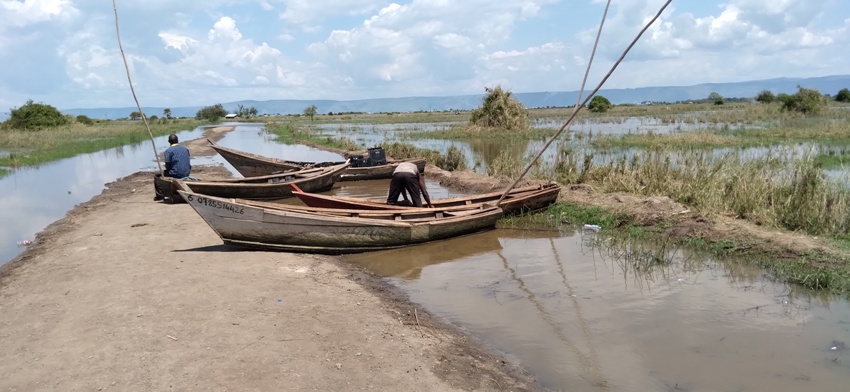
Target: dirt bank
column 128, row 294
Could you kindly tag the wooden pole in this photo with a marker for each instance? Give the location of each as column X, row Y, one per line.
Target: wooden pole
column 583, row 82
column 132, row 90
column 576, row 110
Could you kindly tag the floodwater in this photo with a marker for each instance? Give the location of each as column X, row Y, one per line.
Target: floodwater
column 585, row 313
column 582, row 311
column 480, row 154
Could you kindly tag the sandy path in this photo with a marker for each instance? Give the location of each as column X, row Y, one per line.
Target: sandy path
column 128, row 294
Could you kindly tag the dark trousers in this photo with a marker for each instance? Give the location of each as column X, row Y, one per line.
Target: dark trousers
column 401, row 182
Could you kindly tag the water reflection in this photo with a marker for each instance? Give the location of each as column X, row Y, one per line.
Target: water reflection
column 585, row 312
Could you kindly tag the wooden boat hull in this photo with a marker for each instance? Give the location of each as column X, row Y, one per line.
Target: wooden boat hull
column 282, row 228
column 265, row 187
column 252, row 165
column 519, row 200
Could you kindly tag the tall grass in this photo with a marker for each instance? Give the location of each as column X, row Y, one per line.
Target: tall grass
column 33, row 147
column 790, row 195
column 290, row 133
column 452, row 160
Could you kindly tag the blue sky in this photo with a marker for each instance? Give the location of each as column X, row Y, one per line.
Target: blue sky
column 201, row 52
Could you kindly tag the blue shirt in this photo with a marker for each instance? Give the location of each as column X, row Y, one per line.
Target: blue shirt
column 178, row 157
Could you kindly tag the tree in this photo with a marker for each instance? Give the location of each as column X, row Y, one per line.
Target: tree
column 211, row 113
column 843, row 95
column 310, row 111
column 83, row 119
column 135, row 116
column 500, row 110
column 715, row 98
column 36, row 115
column 166, row 113
column 599, row 104
column 805, row 100
column 242, row 111
column 765, row 96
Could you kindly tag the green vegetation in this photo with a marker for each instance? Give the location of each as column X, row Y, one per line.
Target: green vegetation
column 806, row 101
column 599, row 104
column 787, row 195
column 715, row 98
column 765, row 96
column 310, row 111
column 33, row 147
column 34, row 116
column 560, row 214
column 500, row 110
column 290, row 133
column 83, row 119
column 833, row 159
column 211, row 113
column 843, row 95
column 244, row 112
column 451, row 161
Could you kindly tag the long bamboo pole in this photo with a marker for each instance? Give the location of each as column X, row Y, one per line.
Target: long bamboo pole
column 583, row 82
column 132, row 90
column 576, row 110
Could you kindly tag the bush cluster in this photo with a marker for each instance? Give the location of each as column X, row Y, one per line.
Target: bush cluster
column 36, row 116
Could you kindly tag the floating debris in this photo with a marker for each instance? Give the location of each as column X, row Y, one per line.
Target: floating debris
column 593, row 228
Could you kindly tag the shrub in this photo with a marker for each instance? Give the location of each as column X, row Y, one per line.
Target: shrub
column 715, row 98
column 765, row 96
column 805, row 100
column 211, row 113
column 500, row 110
column 599, row 104
column 843, row 95
column 36, row 115
column 83, row 119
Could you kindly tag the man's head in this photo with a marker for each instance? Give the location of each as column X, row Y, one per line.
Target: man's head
column 172, row 139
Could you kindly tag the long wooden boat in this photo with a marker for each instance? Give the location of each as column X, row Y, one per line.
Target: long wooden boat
column 250, row 165
column 519, row 200
column 276, row 186
column 262, row 225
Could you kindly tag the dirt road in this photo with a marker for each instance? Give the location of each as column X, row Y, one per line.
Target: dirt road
column 127, row 294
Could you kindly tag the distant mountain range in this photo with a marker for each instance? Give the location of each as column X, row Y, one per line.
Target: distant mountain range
column 827, row 85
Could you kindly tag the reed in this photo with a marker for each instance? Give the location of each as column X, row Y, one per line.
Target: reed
column 291, row 133
column 473, row 131
column 34, row 147
column 773, row 191
column 451, row 161
column 756, row 125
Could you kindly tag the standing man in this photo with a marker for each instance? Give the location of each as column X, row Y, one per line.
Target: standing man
column 406, row 178
column 177, row 165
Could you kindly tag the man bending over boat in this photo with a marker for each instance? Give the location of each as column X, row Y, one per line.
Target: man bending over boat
column 177, row 165
column 407, row 178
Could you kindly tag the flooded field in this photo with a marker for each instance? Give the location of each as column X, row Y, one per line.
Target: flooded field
column 583, row 312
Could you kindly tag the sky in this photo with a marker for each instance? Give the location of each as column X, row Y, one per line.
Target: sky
column 199, row 52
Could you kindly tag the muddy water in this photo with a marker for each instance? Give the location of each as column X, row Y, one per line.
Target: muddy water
column 587, row 313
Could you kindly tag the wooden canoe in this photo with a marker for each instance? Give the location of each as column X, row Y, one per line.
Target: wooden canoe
column 276, row 186
column 519, row 200
column 261, row 225
column 251, row 165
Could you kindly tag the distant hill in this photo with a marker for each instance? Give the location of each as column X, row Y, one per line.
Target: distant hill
column 827, row 85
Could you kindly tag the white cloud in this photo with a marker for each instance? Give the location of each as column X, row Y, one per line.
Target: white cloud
column 14, row 13
column 193, row 52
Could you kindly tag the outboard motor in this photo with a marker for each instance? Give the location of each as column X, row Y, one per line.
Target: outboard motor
column 377, row 156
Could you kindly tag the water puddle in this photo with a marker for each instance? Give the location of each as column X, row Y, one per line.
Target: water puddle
column 585, row 313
